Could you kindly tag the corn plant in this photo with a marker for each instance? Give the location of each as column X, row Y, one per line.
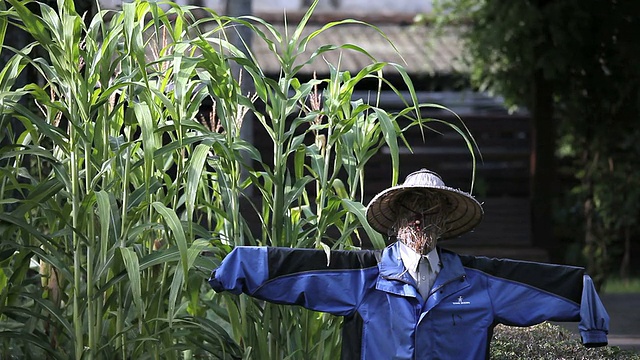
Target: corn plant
column 121, row 189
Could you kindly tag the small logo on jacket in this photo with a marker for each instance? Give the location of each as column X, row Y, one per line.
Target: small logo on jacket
column 461, row 301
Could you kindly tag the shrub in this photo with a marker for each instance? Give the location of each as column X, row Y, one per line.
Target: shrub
column 548, row 341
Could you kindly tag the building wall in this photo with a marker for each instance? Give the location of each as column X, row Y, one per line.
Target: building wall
column 363, row 7
column 347, row 6
column 217, row 5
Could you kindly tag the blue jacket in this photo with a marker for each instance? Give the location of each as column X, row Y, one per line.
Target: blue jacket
column 385, row 316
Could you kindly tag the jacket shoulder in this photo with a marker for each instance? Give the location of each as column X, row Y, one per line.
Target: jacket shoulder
column 287, row 261
column 563, row 280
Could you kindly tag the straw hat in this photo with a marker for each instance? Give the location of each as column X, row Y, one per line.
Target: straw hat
column 464, row 212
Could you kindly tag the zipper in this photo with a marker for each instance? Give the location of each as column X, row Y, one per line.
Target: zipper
column 415, row 340
column 460, row 278
column 398, row 278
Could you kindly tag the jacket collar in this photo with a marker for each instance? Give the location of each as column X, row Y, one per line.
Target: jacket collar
column 391, row 266
column 394, row 277
column 451, row 279
column 411, row 259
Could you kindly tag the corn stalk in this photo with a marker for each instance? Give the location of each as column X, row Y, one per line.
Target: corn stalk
column 127, row 180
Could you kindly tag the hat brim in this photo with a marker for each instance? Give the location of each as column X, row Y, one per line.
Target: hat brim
column 463, row 215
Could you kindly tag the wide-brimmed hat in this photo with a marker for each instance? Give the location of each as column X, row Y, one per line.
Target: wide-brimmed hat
column 463, row 213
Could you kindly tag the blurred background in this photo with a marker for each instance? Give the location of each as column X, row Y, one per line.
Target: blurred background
column 549, row 90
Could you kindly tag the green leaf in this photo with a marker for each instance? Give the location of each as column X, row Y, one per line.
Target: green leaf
column 131, row 263
column 143, row 115
column 25, row 226
column 33, row 339
column 104, row 214
column 158, row 257
column 54, row 311
column 303, row 22
column 183, row 68
column 180, row 239
column 180, row 276
column 3, row 23
column 359, row 211
column 13, row 68
column 390, row 134
column 38, row 195
column 194, row 173
column 327, row 251
column 32, row 23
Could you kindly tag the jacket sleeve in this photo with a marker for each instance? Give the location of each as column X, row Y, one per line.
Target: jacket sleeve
column 298, row 276
column 594, row 319
column 527, row 293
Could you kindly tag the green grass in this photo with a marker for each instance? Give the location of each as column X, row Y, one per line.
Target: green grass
column 622, row 286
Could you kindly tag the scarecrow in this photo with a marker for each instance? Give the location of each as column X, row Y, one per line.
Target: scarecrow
column 415, row 300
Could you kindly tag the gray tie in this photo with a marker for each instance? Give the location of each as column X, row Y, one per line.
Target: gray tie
column 425, row 276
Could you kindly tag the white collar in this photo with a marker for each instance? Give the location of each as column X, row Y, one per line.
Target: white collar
column 411, row 259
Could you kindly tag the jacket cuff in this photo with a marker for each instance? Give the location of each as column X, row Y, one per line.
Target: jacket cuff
column 215, row 284
column 594, row 338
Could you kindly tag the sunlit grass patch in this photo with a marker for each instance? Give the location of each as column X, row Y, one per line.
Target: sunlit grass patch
column 622, row 286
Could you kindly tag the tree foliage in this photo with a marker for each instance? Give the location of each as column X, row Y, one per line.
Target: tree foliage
column 583, row 52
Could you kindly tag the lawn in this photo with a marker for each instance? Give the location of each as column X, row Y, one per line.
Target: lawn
column 622, row 286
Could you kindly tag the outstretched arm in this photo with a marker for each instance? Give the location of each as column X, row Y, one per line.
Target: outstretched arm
column 298, row 276
column 526, row 293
